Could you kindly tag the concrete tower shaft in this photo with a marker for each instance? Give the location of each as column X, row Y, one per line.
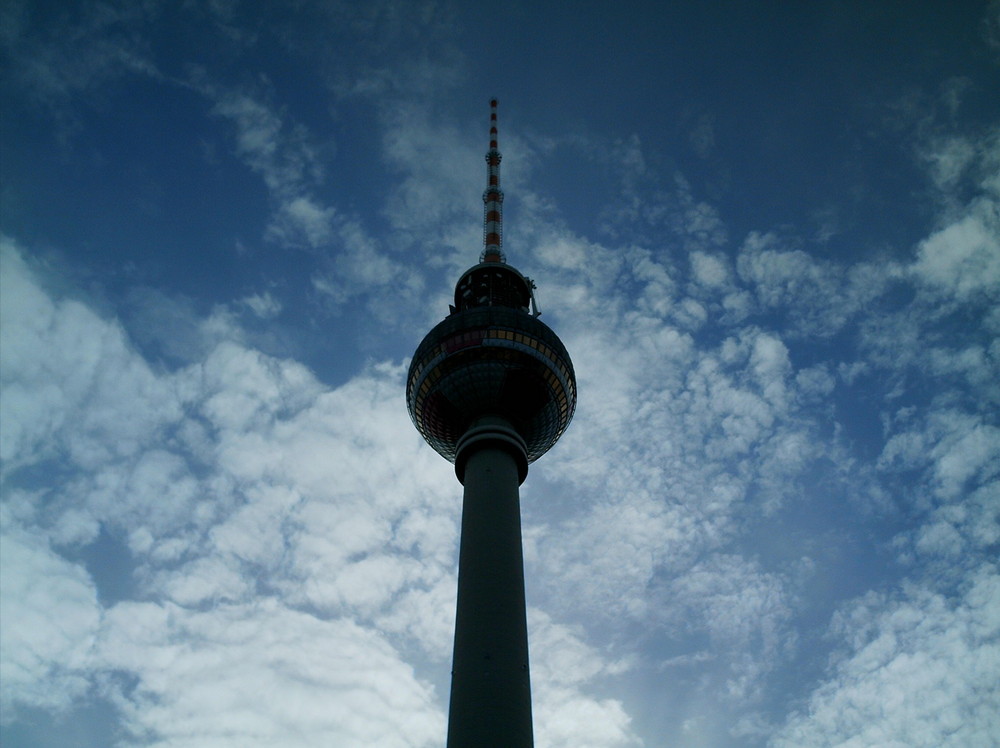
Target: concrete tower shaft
column 490, row 704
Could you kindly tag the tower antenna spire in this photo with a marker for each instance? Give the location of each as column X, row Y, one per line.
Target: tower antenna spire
column 493, row 198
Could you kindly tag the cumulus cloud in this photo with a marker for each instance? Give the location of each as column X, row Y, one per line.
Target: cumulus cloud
column 261, row 674
column 954, row 455
column 962, row 260
column 561, row 661
column 685, row 438
column 689, row 437
column 69, row 379
column 709, row 270
column 815, row 297
column 913, row 668
column 49, row 616
column 747, row 407
column 919, row 670
column 297, row 537
column 744, row 610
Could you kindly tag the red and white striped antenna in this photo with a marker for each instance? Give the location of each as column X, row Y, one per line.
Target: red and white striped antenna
column 493, row 198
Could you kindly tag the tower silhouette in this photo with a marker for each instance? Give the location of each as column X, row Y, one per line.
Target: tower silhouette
column 491, row 388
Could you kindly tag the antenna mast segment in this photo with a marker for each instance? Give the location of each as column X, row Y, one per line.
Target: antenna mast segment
column 493, row 198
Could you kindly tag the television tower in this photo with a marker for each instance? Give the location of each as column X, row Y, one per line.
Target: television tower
column 491, row 388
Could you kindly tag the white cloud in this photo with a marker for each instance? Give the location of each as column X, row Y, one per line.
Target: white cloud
column 815, row 381
column 207, row 580
column 243, row 388
column 264, row 305
column 104, row 48
column 437, row 188
column 702, row 135
column 816, row 297
column 746, row 613
column 71, row 382
column 279, row 151
column 252, row 461
column 291, row 164
column 360, row 267
column 296, row 540
column 300, row 221
column 954, row 531
column 955, row 456
column 669, row 438
column 645, row 208
column 564, row 717
column 962, row 260
column 261, row 674
column 949, row 158
column 251, row 479
column 49, row 617
column 709, row 270
column 977, row 364
column 957, row 447
column 918, row 671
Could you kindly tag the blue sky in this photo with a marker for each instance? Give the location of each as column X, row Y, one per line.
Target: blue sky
column 768, row 234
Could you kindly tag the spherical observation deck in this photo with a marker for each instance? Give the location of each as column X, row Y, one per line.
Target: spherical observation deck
column 491, row 357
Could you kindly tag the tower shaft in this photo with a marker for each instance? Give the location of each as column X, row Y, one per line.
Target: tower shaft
column 491, row 388
column 490, row 687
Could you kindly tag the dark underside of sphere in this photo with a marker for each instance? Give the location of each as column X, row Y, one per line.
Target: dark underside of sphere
column 491, row 361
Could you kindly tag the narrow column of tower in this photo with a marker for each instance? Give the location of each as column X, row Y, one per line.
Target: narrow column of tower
column 490, row 705
column 493, row 197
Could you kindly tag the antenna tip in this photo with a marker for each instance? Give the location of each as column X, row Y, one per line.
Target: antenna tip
column 493, row 102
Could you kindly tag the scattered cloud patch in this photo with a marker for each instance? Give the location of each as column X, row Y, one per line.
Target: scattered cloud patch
column 918, row 670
